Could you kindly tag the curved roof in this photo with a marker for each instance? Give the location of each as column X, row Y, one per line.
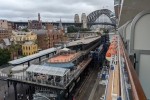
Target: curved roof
column 62, row 65
column 48, row 70
column 30, row 57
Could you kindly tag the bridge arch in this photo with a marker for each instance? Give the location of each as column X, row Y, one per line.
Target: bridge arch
column 91, row 18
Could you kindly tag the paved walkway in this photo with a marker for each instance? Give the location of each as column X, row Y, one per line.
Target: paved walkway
column 20, row 89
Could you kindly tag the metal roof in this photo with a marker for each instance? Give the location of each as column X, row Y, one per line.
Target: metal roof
column 7, row 42
column 83, row 41
column 30, row 42
column 63, row 65
column 56, row 71
column 42, row 31
column 30, row 57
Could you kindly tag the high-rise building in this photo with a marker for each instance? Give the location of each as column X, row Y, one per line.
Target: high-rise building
column 76, row 18
column 84, row 20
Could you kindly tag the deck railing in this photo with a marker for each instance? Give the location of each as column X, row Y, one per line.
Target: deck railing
column 136, row 88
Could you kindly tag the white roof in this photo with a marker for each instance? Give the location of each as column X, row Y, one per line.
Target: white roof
column 7, row 42
column 30, row 42
column 65, row 49
column 30, row 57
column 56, row 71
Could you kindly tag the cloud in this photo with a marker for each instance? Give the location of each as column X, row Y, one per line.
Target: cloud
column 50, row 10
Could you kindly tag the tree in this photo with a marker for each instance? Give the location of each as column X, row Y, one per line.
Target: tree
column 18, row 48
column 4, row 56
column 37, row 42
column 72, row 29
column 25, row 29
column 46, row 39
column 68, row 35
column 98, row 33
column 12, row 49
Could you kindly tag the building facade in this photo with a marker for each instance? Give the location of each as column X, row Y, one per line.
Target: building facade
column 35, row 24
column 29, row 48
column 49, row 37
column 3, row 34
column 4, row 24
column 20, row 36
column 76, row 18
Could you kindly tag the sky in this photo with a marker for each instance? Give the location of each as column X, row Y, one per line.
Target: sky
column 50, row 10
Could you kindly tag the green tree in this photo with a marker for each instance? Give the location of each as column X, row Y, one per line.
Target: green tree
column 12, row 49
column 72, row 29
column 18, row 48
column 25, row 29
column 4, row 56
column 46, row 39
column 37, row 42
column 98, row 33
column 68, row 35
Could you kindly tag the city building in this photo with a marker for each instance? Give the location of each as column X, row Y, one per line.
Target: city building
column 29, row 48
column 76, row 18
column 20, row 36
column 35, row 24
column 5, row 30
column 3, row 34
column 49, row 37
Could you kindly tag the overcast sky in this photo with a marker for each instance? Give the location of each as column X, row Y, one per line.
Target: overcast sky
column 50, row 10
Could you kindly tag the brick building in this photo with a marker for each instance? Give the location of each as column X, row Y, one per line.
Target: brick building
column 49, row 37
column 35, row 24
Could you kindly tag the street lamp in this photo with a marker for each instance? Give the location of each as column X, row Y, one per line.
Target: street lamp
column 23, row 70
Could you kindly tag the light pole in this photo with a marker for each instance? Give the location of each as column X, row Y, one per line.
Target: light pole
column 23, row 70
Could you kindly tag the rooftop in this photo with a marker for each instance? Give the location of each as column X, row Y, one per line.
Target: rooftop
column 62, row 58
column 86, row 40
column 31, row 57
column 28, row 42
column 41, row 31
column 48, row 70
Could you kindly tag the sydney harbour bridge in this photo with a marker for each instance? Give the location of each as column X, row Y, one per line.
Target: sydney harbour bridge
column 98, row 17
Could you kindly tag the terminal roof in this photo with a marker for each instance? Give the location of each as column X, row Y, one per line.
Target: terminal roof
column 86, row 40
column 55, row 71
column 30, row 57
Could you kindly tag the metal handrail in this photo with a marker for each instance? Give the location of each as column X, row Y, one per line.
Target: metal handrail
column 136, row 88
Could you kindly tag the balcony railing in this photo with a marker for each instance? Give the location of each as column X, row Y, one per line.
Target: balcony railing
column 128, row 70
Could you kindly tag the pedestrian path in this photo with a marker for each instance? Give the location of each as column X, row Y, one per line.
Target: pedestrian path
column 10, row 91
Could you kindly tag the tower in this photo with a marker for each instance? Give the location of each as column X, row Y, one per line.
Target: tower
column 60, row 25
column 39, row 17
column 76, row 18
column 84, row 20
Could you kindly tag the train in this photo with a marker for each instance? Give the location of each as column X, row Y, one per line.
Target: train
column 99, row 53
